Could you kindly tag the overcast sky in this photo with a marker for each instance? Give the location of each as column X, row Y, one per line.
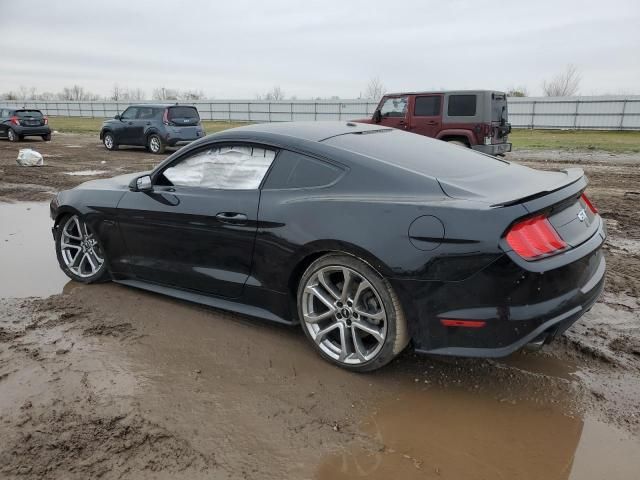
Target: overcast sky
column 237, row 49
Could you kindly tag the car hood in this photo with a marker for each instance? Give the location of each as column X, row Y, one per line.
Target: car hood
column 120, row 182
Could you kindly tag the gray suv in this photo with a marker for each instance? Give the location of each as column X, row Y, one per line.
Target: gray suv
column 152, row 126
column 17, row 123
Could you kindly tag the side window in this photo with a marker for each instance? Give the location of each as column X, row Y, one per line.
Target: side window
column 394, row 107
column 145, row 113
column 294, row 170
column 235, row 167
column 462, row 106
column 129, row 114
column 427, row 106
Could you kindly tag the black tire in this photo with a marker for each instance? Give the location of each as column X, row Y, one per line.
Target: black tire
column 13, row 136
column 47, row 137
column 101, row 274
column 109, row 141
column 396, row 336
column 155, row 144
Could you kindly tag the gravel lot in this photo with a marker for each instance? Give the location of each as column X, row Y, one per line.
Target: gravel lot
column 111, row 382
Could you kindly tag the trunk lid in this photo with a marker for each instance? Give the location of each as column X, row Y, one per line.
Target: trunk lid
column 508, row 185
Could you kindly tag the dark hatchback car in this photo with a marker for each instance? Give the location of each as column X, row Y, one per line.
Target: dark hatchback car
column 15, row 124
column 367, row 236
column 152, row 126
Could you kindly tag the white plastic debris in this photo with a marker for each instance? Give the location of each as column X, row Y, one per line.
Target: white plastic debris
column 29, row 158
column 225, row 168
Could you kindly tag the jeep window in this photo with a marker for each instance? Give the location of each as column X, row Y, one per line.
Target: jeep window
column 294, row 170
column 394, row 107
column 427, row 106
column 183, row 115
column 235, row 167
column 129, row 114
column 462, row 106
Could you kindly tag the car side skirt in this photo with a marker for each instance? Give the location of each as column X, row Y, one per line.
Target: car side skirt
column 238, row 306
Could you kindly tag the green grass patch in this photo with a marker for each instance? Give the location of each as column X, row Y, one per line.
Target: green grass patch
column 611, row 141
column 92, row 125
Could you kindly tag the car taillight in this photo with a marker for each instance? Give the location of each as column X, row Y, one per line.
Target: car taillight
column 15, row 120
column 165, row 116
column 534, row 238
column 588, row 203
column 46, row 120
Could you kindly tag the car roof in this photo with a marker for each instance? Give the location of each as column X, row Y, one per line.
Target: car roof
column 311, row 131
column 159, row 105
column 455, row 92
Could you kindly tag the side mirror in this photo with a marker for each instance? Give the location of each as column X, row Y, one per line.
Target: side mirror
column 117, row 117
column 141, row 184
column 377, row 116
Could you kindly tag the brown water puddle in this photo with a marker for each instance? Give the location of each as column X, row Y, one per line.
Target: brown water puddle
column 27, row 256
column 452, row 434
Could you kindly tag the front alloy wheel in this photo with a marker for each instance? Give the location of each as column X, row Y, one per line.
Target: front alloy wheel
column 79, row 253
column 12, row 136
column 351, row 314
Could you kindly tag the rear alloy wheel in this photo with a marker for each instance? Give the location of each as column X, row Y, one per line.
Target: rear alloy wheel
column 350, row 313
column 12, row 135
column 155, row 144
column 79, row 252
column 109, row 141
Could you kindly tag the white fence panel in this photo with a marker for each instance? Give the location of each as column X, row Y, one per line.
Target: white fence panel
column 604, row 112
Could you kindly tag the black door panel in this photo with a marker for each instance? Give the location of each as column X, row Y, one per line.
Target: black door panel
column 188, row 237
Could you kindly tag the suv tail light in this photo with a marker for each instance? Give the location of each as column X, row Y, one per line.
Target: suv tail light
column 588, row 203
column 165, row 117
column 15, row 120
column 534, row 238
column 46, row 120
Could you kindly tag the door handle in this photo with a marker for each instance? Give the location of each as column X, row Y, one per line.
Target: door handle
column 232, row 218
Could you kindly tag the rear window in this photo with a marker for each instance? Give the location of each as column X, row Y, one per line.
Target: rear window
column 293, row 170
column 183, row 113
column 462, row 106
column 419, row 154
column 28, row 114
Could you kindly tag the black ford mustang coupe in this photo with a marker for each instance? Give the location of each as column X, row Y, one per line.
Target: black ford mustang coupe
column 369, row 237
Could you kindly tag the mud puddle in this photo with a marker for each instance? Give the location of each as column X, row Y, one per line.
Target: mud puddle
column 452, row 434
column 27, row 254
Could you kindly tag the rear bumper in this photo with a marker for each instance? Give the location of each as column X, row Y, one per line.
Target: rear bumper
column 31, row 131
column 517, row 306
column 494, row 149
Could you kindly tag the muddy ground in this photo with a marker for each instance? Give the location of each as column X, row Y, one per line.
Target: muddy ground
column 111, row 382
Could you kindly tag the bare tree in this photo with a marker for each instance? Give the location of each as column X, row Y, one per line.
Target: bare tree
column 191, row 95
column 136, row 94
column 116, row 92
column 275, row 94
column 163, row 93
column 375, row 89
column 565, row 84
column 519, row 91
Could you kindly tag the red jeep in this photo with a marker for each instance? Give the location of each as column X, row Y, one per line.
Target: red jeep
column 476, row 118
